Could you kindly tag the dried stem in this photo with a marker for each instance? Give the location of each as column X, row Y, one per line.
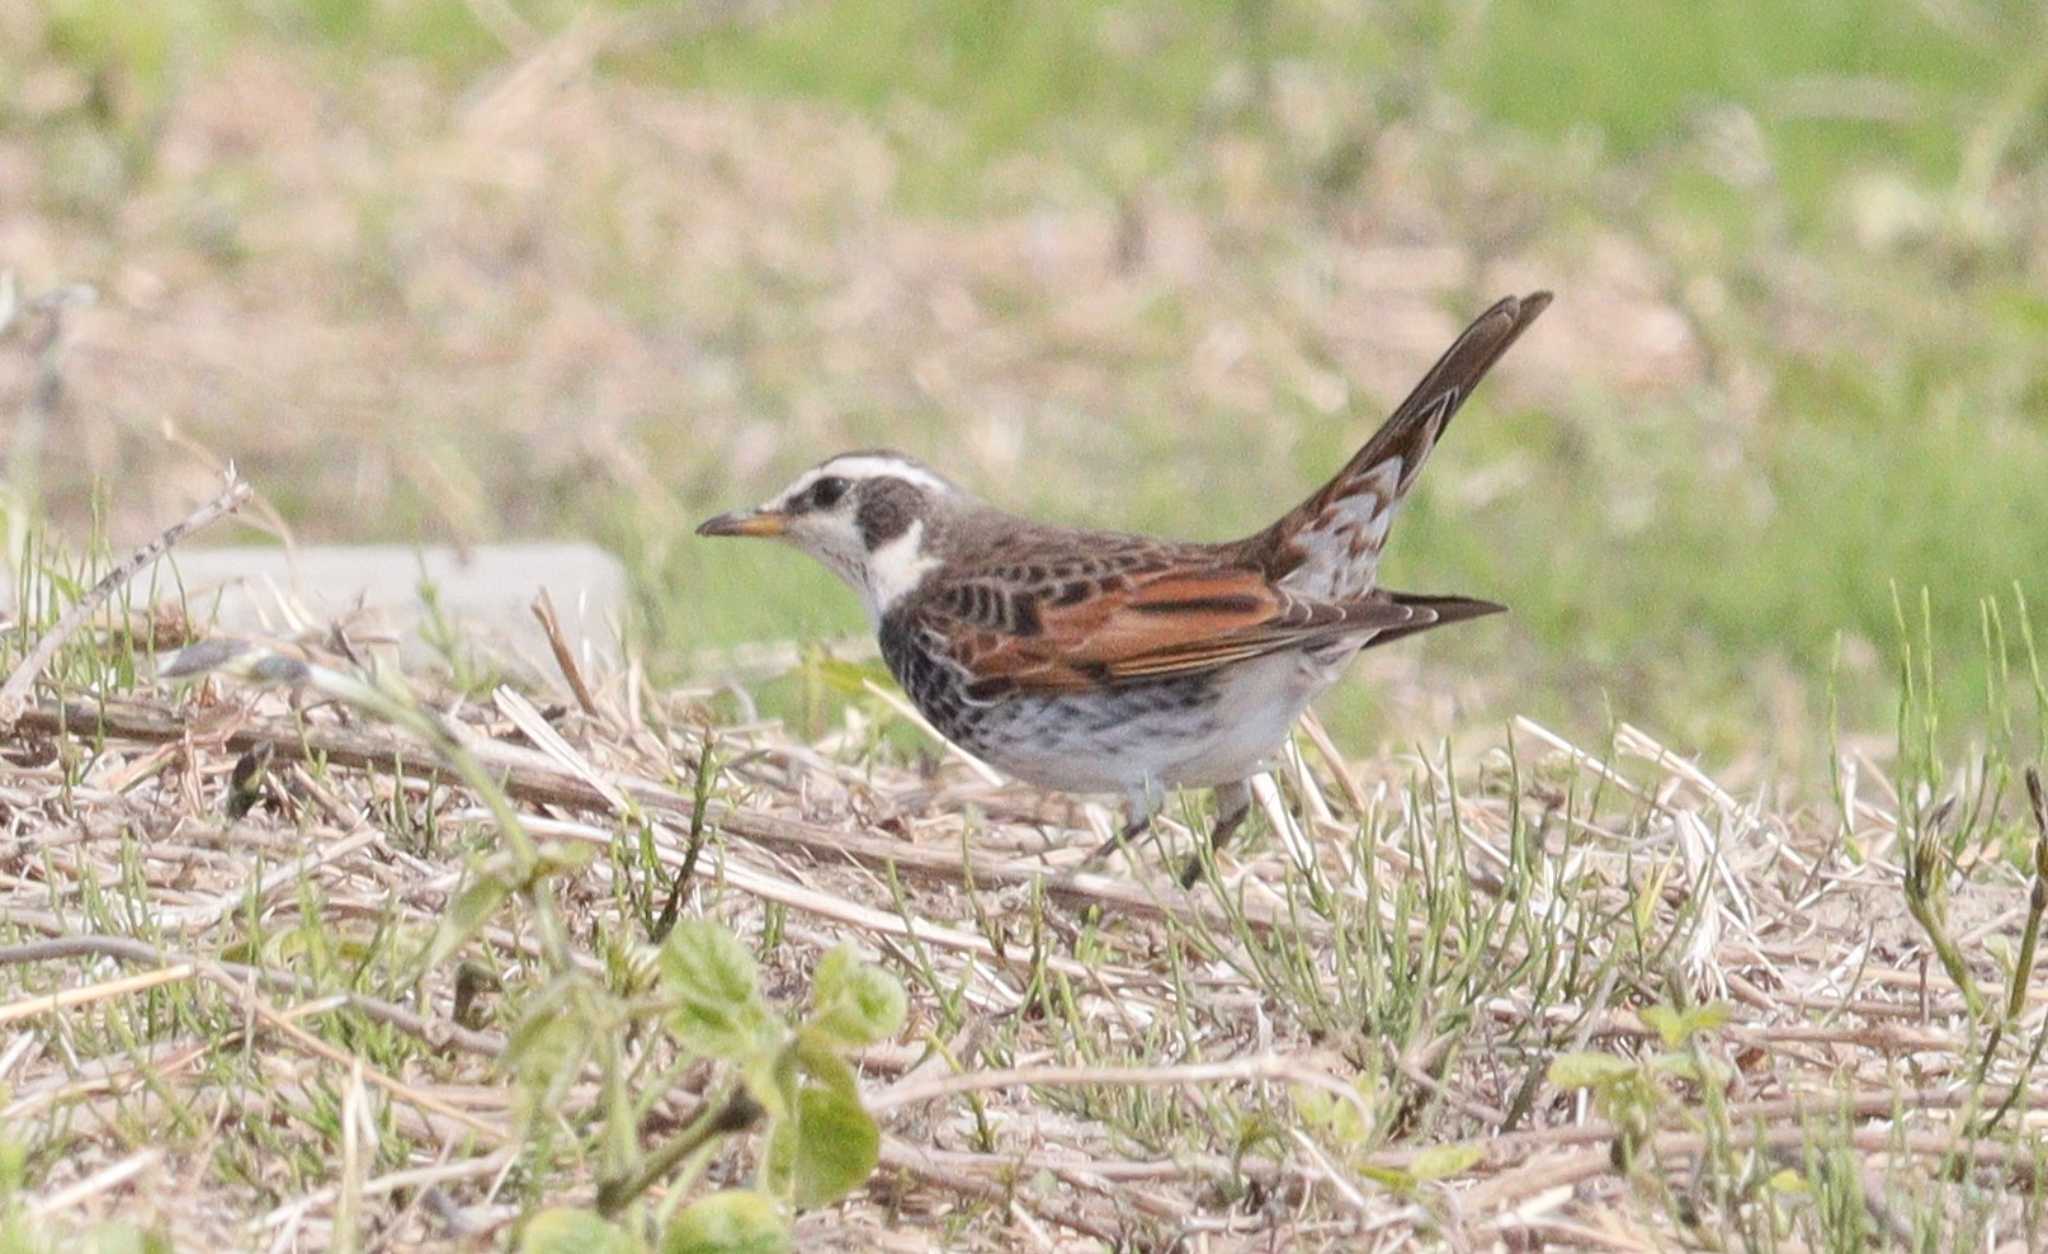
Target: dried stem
column 14, row 693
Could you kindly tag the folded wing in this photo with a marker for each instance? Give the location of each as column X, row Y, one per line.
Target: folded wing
column 1151, row 625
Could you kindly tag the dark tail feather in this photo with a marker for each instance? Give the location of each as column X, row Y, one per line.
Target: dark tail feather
column 1419, row 422
column 1443, row 611
column 1337, row 533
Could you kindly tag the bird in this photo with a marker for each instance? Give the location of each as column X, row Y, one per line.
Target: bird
column 1093, row 662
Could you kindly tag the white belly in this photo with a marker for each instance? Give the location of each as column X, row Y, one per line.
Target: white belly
column 1104, row 742
column 1261, row 701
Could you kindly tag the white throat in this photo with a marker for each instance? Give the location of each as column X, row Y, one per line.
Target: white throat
column 894, row 570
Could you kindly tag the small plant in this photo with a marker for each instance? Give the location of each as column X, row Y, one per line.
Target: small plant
column 792, row 1081
column 23, row 1231
column 1636, row 1095
column 820, row 1142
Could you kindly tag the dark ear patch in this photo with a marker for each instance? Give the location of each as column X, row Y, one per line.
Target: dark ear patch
column 887, row 508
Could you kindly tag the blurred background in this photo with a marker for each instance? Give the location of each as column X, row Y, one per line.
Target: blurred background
column 436, row 271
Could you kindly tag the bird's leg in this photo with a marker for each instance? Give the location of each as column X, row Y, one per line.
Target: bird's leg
column 1144, row 804
column 1233, row 803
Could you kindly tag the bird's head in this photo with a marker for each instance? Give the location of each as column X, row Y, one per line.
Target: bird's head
column 870, row 516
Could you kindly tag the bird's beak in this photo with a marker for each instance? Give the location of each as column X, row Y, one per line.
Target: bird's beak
column 746, row 522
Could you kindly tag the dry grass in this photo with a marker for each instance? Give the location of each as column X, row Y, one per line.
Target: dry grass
column 1537, row 995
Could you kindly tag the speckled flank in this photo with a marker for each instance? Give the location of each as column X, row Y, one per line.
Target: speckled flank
column 1078, row 741
column 1187, row 731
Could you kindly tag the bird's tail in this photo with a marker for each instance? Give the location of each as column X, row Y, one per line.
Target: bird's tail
column 1329, row 545
column 1442, row 611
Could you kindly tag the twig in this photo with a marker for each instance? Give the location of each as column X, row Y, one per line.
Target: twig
column 327, row 849
column 1471, row 1107
column 2037, row 900
column 1510, row 1149
column 439, row 1036
column 1585, row 760
column 1347, row 1191
column 1318, row 736
column 918, row 1161
column 95, row 1184
column 1124, row 1170
column 1256, row 1067
column 1502, row 1190
column 532, row 776
column 736, row 1113
column 47, row 1003
column 104, row 1078
column 2023, row 966
column 410, row 1178
column 565, row 657
column 14, row 693
column 314, row 1045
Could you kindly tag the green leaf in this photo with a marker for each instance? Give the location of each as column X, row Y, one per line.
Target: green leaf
column 561, row 860
column 1683, row 1066
column 1444, row 1161
column 473, row 908
column 834, row 970
column 719, row 1013
column 818, row 1055
column 123, row 1238
column 1677, row 1028
column 840, row 1145
column 1588, row 1070
column 567, row 1231
column 543, row 1047
column 1667, row 1024
column 778, row 1158
column 737, row 1221
column 827, row 1151
column 771, row 1079
column 847, row 678
column 703, row 960
column 1790, row 1181
column 1648, row 895
column 1704, row 1018
column 855, row 1003
column 1332, row 1114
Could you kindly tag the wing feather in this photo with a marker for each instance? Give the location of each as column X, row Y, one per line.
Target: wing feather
column 1148, row 626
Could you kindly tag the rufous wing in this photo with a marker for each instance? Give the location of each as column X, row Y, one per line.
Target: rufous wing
column 1173, row 623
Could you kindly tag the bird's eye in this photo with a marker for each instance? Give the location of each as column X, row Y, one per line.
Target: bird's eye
column 825, row 493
